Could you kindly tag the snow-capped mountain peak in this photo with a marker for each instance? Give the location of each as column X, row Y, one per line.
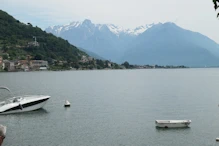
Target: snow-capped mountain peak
column 117, row 30
column 139, row 30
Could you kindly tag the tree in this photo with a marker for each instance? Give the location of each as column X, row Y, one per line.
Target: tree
column 216, row 5
column 100, row 63
column 22, row 58
column 126, row 64
column 91, row 66
column 76, row 66
column 116, row 66
column 5, row 48
column 38, row 57
column 5, row 56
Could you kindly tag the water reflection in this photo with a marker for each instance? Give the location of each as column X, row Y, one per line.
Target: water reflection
column 38, row 112
column 159, row 129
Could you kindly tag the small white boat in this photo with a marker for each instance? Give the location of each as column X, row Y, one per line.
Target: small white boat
column 217, row 139
column 22, row 103
column 67, row 103
column 172, row 123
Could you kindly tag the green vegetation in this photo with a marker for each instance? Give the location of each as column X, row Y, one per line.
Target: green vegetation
column 128, row 66
column 17, row 39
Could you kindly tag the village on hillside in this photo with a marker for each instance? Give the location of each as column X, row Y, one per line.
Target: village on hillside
column 23, row 65
column 33, row 63
column 86, row 63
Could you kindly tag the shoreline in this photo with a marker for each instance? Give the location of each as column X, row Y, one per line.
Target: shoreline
column 108, row 70
column 163, row 68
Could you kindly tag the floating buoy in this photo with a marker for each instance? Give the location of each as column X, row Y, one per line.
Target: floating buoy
column 67, row 103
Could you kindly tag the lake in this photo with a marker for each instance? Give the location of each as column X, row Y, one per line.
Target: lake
column 115, row 107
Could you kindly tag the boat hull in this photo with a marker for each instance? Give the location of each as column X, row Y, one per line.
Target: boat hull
column 173, row 124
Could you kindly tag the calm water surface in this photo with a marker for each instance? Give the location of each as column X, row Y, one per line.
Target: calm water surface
column 115, row 108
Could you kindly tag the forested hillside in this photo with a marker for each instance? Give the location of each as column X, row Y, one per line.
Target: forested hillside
column 18, row 40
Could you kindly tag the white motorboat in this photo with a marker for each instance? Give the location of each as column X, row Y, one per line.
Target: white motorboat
column 22, row 103
column 172, row 123
column 67, row 103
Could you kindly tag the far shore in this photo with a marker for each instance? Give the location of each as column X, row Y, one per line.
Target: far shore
column 105, row 69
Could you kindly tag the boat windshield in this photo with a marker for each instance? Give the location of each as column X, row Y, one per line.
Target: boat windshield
column 2, row 103
column 11, row 100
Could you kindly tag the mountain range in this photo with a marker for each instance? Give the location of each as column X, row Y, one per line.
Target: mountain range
column 161, row 43
column 106, row 40
column 60, row 29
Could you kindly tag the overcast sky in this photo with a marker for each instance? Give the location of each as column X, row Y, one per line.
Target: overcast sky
column 195, row 15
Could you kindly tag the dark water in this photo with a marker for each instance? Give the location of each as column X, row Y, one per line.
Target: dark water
column 115, row 108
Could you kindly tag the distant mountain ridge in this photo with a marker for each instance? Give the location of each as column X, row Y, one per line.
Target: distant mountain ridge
column 106, row 40
column 161, row 43
column 168, row 44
